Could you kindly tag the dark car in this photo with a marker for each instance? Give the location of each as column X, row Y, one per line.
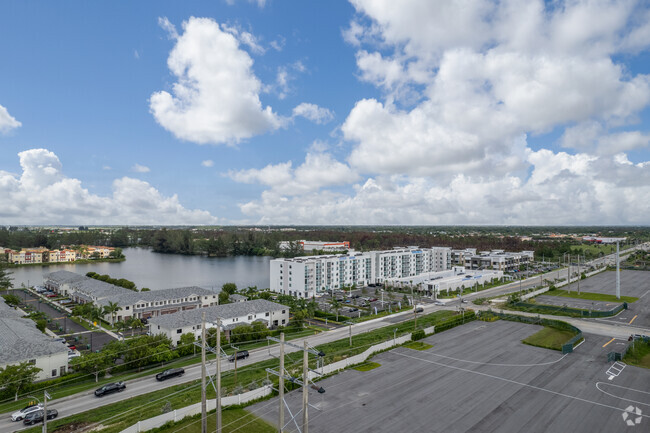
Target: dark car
column 37, row 416
column 168, row 374
column 242, row 354
column 110, row 388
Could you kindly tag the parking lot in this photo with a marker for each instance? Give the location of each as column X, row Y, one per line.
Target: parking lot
column 490, row 383
column 582, row 304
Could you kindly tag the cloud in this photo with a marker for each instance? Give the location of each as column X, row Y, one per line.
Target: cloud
column 140, row 168
column 318, row 171
column 215, row 98
column 245, row 38
column 313, row 112
column 167, row 26
column 260, row 3
column 7, row 122
column 463, row 85
column 42, row 194
column 207, row 163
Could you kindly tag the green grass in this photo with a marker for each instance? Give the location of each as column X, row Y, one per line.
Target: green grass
column 418, row 345
column 639, row 355
column 367, row 366
column 232, row 420
column 591, row 296
column 549, row 338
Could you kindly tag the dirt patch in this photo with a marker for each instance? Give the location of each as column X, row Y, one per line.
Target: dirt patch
column 73, row 427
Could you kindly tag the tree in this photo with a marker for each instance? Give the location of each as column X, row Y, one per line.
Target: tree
column 337, row 307
column 116, row 254
column 12, row 300
column 162, row 353
column 145, row 289
column 186, row 344
column 14, row 378
column 112, row 308
column 224, row 298
column 5, row 278
column 92, row 363
column 299, row 317
column 135, row 324
column 229, row 288
column 41, row 324
column 241, row 333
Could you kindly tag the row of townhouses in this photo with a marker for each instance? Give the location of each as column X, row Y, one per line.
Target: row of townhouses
column 43, row 255
column 305, row 277
column 21, row 341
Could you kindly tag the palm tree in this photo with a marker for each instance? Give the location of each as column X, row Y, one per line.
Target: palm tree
column 337, row 307
column 95, row 314
column 135, row 323
column 112, row 308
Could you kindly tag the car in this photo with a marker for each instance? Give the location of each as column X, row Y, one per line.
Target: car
column 352, row 310
column 37, row 416
column 110, row 388
column 72, row 355
column 242, row 354
column 372, row 299
column 72, row 347
column 439, row 303
column 464, row 301
column 168, row 374
column 51, row 295
column 419, row 310
column 347, row 301
column 20, row 414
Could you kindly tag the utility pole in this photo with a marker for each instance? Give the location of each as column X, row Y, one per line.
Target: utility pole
column 204, row 408
column 579, row 275
column 350, row 328
column 281, row 383
column 45, row 397
column 218, row 402
column 568, row 273
column 618, row 273
column 305, row 382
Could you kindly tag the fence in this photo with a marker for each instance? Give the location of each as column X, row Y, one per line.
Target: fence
column 179, row 414
column 618, row 356
column 566, row 347
column 572, row 311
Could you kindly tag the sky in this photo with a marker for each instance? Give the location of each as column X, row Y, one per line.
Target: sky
column 271, row 112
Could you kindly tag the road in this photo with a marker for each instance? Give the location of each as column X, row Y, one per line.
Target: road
column 86, row 401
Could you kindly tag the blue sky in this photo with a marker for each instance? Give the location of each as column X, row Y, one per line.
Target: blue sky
column 288, row 112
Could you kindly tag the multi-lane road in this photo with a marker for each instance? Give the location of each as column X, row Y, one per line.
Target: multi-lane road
column 85, row 401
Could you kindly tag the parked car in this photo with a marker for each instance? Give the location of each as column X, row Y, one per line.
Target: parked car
column 464, row 301
column 36, row 417
column 20, row 414
column 439, row 303
column 372, row 299
column 419, row 309
column 242, row 354
column 110, row 388
column 352, row 310
column 51, row 295
column 168, row 374
column 72, row 347
column 40, row 289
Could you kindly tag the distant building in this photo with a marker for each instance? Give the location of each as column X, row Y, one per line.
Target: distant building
column 495, row 259
column 308, row 246
column 43, row 255
column 231, row 315
column 601, row 240
column 21, row 341
column 237, row 298
column 447, row 281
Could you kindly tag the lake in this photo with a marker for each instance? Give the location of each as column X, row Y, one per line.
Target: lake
column 163, row 271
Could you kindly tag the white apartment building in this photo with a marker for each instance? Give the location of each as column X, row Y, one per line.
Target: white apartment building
column 305, row 277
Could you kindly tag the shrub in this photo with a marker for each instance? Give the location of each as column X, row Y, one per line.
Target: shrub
column 418, row 335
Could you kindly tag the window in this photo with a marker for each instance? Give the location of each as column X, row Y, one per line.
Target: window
column 250, row 317
column 283, row 321
column 179, row 331
column 284, row 311
column 127, row 308
column 32, row 361
column 54, row 372
column 266, row 314
column 62, row 370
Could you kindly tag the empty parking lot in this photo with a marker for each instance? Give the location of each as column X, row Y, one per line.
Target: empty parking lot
column 478, row 377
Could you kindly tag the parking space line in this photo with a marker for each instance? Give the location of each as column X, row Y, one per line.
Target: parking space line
column 633, row 319
column 605, row 345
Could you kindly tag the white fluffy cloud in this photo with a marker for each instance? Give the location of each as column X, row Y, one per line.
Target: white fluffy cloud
column 42, row 194
column 207, row 163
column 215, row 98
column 313, row 112
column 319, row 170
column 7, row 121
column 465, row 84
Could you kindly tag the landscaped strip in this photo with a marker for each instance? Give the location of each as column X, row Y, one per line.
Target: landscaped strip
column 367, row 366
column 550, row 338
column 592, row 296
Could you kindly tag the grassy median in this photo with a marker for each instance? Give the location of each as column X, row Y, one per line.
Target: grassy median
column 591, row 296
column 549, row 338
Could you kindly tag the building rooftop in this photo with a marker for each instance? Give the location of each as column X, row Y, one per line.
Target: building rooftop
column 130, row 297
column 21, row 341
column 225, row 311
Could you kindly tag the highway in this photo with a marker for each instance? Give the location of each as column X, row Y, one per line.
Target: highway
column 85, row 401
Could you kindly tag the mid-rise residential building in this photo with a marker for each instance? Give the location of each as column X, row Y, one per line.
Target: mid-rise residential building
column 232, row 315
column 306, row 277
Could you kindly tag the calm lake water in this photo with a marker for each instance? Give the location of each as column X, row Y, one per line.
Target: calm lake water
column 163, row 271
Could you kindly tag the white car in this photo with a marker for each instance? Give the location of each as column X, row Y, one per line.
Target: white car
column 20, row 414
column 439, row 303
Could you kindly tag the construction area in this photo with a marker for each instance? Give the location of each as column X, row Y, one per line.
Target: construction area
column 478, row 377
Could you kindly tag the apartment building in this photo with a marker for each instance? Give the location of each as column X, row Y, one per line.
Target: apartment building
column 141, row 305
column 305, row 277
column 43, row 255
column 231, row 315
column 26, row 256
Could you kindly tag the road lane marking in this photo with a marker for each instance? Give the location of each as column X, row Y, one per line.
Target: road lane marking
column 605, row 345
column 633, row 319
